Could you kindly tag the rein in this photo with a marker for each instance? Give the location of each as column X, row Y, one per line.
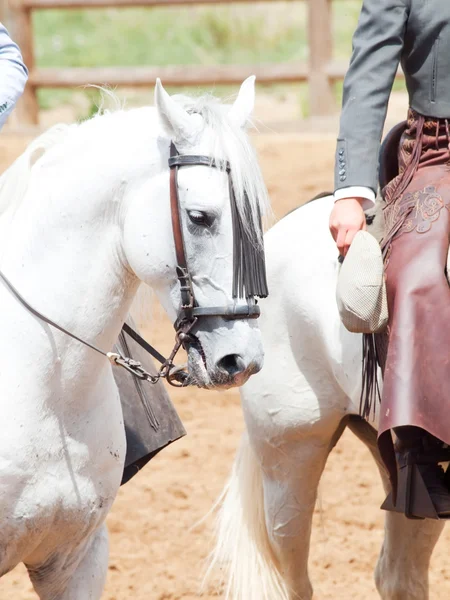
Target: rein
column 249, row 280
column 129, row 364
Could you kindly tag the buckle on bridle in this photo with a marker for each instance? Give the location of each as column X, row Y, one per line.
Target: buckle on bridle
column 187, row 294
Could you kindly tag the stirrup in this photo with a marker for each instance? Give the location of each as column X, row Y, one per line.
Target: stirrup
column 413, row 499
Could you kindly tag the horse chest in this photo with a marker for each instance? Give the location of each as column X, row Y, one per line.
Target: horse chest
column 45, row 510
column 59, row 477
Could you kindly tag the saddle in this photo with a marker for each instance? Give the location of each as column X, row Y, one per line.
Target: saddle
column 388, row 167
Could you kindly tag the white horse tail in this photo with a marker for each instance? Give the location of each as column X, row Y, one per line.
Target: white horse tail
column 243, row 552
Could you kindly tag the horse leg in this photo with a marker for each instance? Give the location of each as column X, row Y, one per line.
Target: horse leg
column 404, row 561
column 291, row 476
column 78, row 575
column 402, row 569
column 264, row 522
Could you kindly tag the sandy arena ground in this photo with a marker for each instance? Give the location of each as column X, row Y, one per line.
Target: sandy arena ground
column 156, row 554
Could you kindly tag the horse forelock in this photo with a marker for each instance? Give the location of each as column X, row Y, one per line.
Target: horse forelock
column 230, row 142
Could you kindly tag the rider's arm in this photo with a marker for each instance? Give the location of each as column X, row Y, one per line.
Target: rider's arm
column 13, row 75
column 377, row 48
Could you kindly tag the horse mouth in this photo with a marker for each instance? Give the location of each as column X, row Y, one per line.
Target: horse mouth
column 200, row 376
column 228, row 381
column 195, row 345
column 197, row 366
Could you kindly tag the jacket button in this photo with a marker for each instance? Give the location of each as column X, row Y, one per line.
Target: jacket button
column 343, row 177
column 342, row 172
column 341, row 152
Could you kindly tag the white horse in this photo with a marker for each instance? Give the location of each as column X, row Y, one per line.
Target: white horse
column 84, row 218
column 295, row 410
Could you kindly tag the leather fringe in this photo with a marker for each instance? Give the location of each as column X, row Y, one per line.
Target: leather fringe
column 249, row 267
column 400, row 186
column 370, row 391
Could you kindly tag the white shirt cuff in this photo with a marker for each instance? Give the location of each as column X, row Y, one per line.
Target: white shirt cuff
column 357, row 191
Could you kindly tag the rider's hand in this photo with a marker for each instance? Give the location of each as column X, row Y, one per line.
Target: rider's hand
column 346, row 219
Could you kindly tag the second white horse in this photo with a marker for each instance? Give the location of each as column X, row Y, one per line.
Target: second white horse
column 295, row 410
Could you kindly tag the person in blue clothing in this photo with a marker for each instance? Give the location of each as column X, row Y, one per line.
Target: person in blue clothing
column 13, row 75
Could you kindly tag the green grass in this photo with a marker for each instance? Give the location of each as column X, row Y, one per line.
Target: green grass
column 253, row 33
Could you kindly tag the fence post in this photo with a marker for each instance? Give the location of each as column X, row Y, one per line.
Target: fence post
column 321, row 92
column 27, row 109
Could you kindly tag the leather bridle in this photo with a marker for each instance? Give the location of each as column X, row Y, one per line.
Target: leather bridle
column 189, row 312
column 189, row 309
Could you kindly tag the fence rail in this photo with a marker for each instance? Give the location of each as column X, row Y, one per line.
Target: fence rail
column 77, row 4
column 320, row 72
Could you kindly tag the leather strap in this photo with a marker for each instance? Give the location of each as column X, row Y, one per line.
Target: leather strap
column 192, row 160
column 176, row 220
column 184, row 278
column 189, row 311
column 241, row 311
column 127, row 363
column 144, row 344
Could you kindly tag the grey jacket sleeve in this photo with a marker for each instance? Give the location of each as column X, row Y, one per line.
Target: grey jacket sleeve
column 13, row 75
column 377, row 48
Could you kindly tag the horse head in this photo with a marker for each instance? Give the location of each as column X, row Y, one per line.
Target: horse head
column 216, row 198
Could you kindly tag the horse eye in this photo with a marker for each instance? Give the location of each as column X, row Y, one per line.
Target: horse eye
column 200, row 218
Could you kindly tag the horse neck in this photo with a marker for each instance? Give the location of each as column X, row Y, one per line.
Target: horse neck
column 63, row 254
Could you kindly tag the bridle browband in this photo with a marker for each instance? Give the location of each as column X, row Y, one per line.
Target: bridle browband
column 249, row 280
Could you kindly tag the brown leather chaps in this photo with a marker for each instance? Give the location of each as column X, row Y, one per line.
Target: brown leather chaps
column 414, row 351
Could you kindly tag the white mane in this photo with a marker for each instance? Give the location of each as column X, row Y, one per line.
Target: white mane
column 231, row 144
column 14, row 181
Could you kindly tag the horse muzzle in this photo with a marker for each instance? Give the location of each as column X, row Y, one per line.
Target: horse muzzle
column 232, row 371
column 227, row 372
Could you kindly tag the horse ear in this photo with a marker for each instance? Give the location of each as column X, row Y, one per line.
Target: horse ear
column 178, row 123
column 244, row 104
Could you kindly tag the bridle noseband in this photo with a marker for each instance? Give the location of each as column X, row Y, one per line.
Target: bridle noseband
column 249, row 281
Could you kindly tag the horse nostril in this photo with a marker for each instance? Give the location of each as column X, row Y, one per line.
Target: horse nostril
column 232, row 364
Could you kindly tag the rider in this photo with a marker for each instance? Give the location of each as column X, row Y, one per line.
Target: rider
column 415, row 355
column 13, row 75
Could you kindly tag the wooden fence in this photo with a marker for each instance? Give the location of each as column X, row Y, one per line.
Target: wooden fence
column 320, row 72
